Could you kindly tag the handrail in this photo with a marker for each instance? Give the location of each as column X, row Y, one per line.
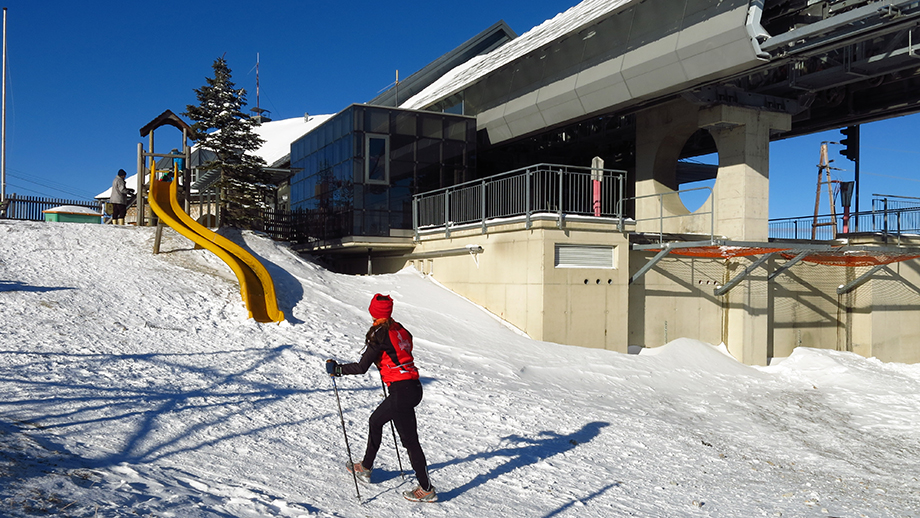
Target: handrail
column 889, row 222
column 661, row 217
column 541, row 188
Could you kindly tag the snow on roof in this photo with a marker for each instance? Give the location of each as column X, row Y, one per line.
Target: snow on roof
column 462, row 76
column 72, row 209
column 278, row 136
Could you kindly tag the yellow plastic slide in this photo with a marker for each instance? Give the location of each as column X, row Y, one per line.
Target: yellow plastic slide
column 256, row 285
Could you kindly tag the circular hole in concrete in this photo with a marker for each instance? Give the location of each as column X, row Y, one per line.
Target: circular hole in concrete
column 697, row 169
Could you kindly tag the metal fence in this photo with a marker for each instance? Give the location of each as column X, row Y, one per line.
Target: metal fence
column 306, row 226
column 542, row 188
column 661, row 217
column 30, row 207
column 893, row 222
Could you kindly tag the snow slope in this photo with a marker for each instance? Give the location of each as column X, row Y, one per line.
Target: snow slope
column 132, row 384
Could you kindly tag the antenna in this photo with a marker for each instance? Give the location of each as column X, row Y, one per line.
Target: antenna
column 260, row 114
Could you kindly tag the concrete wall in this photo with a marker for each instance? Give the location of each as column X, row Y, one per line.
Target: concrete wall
column 675, row 300
column 895, row 314
column 877, row 319
column 804, row 307
column 515, row 277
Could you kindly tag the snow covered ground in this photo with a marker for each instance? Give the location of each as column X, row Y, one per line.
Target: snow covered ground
column 131, row 384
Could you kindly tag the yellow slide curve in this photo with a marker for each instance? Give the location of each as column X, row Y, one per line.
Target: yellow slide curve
column 256, row 285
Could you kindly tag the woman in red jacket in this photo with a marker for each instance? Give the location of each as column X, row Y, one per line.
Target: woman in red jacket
column 389, row 347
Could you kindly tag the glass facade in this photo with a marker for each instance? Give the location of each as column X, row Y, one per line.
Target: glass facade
column 359, row 170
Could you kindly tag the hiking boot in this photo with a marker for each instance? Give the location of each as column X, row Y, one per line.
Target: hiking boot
column 363, row 474
column 420, row 495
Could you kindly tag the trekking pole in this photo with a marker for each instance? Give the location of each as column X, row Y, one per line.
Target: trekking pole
column 393, row 429
column 344, row 433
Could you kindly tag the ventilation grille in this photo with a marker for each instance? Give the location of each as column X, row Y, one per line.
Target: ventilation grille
column 585, row 256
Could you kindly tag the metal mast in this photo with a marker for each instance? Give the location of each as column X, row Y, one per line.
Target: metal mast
column 3, row 118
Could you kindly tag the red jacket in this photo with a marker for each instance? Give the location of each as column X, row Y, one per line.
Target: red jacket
column 389, row 347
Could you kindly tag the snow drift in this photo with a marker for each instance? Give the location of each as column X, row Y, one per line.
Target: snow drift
column 132, row 384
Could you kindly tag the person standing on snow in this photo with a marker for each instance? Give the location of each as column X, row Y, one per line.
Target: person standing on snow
column 389, row 347
column 119, row 198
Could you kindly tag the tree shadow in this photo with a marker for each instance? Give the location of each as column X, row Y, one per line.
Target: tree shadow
column 18, row 286
column 196, row 417
column 531, row 452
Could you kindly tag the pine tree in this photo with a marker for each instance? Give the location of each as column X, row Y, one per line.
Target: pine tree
column 220, row 126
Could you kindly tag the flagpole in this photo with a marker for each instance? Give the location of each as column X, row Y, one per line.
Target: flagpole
column 3, row 117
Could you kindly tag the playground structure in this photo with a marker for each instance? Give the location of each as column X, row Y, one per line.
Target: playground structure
column 256, row 285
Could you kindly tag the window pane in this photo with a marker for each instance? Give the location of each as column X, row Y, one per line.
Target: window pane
column 378, row 121
column 429, row 151
column 376, row 159
column 375, row 223
column 400, row 199
column 455, row 108
column 456, row 130
column 359, row 118
column 401, row 173
column 359, row 171
column 405, row 123
column 429, row 177
column 375, row 197
column 432, row 127
column 402, row 148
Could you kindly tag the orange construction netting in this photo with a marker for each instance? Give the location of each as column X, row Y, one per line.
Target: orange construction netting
column 724, row 251
column 828, row 257
column 854, row 258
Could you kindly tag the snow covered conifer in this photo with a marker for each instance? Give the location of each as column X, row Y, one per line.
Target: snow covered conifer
column 220, row 126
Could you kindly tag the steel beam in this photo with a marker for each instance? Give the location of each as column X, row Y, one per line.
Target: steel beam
column 649, row 265
column 789, row 264
column 722, row 290
column 859, row 281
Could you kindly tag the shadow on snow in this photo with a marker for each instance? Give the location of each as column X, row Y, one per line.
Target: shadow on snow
column 200, row 397
column 526, row 454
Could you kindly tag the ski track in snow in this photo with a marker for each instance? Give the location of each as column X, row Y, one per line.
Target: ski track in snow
column 133, row 384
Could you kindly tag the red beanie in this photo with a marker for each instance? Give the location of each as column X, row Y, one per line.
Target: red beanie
column 381, row 306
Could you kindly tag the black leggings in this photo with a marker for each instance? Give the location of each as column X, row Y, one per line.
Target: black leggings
column 399, row 407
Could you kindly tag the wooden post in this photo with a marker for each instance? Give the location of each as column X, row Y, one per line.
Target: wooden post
column 187, row 172
column 159, row 235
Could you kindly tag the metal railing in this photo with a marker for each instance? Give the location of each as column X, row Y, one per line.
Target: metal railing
column 31, row 207
column 543, row 188
column 885, row 221
column 661, row 217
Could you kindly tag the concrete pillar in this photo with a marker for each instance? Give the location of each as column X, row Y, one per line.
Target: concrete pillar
column 742, row 202
column 746, row 316
column 661, row 133
column 742, row 189
column 739, row 206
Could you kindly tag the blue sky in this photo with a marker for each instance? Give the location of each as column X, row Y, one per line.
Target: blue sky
column 84, row 77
